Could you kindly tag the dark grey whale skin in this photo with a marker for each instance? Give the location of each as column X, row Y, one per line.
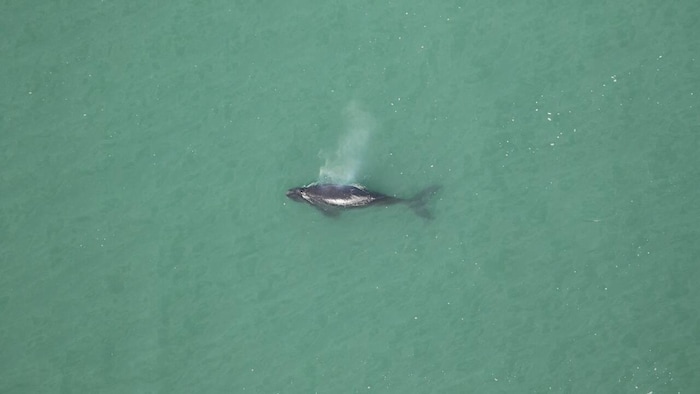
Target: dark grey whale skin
column 332, row 198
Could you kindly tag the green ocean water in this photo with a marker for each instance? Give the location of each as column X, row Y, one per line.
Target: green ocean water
column 147, row 246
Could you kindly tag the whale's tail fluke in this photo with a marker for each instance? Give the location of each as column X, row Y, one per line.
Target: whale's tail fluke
column 419, row 202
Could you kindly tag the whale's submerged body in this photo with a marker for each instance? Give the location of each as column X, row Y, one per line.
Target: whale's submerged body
column 331, row 198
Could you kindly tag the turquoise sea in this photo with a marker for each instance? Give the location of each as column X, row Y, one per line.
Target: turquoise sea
column 147, row 246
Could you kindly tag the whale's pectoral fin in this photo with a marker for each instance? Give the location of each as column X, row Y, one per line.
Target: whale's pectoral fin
column 328, row 210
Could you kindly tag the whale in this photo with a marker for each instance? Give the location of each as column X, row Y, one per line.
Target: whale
column 331, row 198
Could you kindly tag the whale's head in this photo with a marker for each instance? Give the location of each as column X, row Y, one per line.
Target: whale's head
column 296, row 194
